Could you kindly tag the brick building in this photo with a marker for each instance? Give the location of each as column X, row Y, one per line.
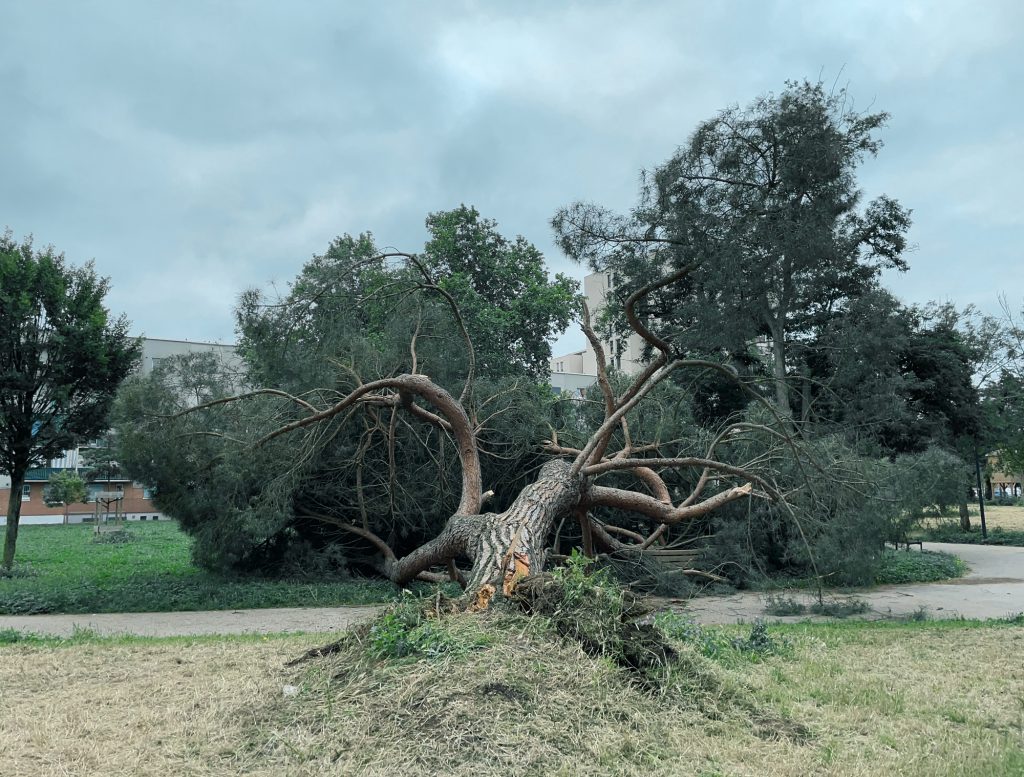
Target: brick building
column 137, row 503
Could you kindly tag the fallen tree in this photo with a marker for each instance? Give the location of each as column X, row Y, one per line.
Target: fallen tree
column 504, row 547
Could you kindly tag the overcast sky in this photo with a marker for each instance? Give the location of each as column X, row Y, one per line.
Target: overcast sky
column 194, row 149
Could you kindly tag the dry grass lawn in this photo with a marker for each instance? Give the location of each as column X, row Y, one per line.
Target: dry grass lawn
column 1005, row 518
column 851, row 699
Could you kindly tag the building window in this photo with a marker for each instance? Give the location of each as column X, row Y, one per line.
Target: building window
column 147, row 493
column 26, row 493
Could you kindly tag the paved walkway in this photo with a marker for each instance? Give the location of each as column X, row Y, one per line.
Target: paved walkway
column 994, row 588
column 178, row 624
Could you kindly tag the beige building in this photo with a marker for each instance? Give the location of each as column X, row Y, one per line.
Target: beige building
column 1002, row 484
column 623, row 350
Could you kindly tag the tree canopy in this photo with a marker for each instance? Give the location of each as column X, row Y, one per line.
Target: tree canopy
column 62, row 358
column 762, row 202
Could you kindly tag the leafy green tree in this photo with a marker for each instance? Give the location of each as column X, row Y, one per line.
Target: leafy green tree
column 502, row 289
column 62, row 358
column 65, row 488
column 1003, row 397
column 858, row 381
column 762, row 205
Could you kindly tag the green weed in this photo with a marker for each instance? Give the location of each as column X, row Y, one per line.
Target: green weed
column 840, row 608
column 782, row 605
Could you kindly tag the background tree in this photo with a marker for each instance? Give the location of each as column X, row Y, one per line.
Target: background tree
column 502, row 290
column 65, row 489
column 1004, row 396
column 62, row 358
column 762, row 202
column 1003, row 406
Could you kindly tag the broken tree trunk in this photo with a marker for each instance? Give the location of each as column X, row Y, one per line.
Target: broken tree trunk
column 503, row 547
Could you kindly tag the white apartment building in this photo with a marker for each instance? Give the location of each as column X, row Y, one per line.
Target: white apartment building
column 623, row 350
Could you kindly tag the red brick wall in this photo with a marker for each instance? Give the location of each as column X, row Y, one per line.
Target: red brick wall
column 134, row 502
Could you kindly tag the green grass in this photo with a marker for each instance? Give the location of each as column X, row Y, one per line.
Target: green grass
column 899, row 566
column 60, row 569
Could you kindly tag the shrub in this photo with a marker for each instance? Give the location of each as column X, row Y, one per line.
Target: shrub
column 996, row 536
column 840, row 608
column 117, row 537
column 781, row 605
column 924, row 567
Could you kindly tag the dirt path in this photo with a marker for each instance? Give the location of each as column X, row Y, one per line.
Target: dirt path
column 994, row 588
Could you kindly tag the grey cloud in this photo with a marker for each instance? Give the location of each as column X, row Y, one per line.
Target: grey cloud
column 195, row 149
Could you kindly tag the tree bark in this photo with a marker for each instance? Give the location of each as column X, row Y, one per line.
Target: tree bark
column 13, row 516
column 502, row 546
column 779, row 370
column 965, row 515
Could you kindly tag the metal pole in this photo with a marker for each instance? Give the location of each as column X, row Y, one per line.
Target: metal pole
column 981, row 494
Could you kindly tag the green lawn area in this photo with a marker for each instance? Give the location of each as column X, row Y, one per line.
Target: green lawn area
column 61, row 569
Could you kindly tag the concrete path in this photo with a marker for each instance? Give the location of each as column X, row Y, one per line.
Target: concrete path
column 177, row 624
column 994, row 588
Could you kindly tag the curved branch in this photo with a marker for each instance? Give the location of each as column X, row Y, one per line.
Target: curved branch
column 634, row 321
column 652, row 508
column 449, row 407
column 602, row 362
column 687, row 461
column 238, row 397
column 431, row 285
column 611, row 421
column 654, row 483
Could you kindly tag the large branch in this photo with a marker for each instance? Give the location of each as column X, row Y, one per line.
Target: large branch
column 613, row 420
column 602, row 362
column 676, row 463
column 630, row 307
column 397, row 571
column 652, row 508
column 450, row 409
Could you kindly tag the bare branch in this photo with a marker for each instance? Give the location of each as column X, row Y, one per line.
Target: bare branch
column 430, row 284
column 630, row 307
column 676, row 463
column 238, row 397
column 652, row 508
column 451, row 409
